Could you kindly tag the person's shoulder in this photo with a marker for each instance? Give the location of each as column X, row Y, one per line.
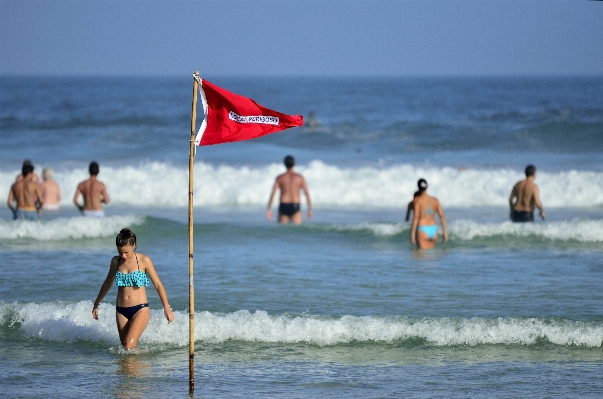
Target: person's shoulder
column 144, row 260
column 519, row 185
column 142, row 257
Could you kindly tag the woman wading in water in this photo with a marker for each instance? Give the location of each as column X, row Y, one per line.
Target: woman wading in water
column 424, row 230
column 131, row 273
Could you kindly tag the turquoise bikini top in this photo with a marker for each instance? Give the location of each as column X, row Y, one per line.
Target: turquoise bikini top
column 134, row 279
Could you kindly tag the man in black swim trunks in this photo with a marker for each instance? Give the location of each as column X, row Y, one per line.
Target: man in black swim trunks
column 525, row 196
column 290, row 184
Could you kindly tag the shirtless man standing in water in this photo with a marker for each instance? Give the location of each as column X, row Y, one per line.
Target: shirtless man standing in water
column 94, row 194
column 26, row 193
column 524, row 197
column 290, row 184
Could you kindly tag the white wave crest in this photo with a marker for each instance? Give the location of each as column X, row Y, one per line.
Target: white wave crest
column 66, row 228
column 66, row 322
column 160, row 184
column 378, row 229
column 575, row 230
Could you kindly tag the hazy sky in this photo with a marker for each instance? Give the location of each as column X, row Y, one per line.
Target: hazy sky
column 301, row 38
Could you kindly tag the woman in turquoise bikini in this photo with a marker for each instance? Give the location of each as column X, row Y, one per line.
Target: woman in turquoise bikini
column 424, row 230
column 131, row 272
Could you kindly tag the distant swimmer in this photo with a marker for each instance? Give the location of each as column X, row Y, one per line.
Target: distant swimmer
column 132, row 272
column 290, row 184
column 94, row 194
column 424, row 230
column 26, row 194
column 525, row 196
column 411, row 205
column 312, row 121
column 51, row 193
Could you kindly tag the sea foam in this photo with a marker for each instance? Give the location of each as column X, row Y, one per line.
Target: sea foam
column 64, row 228
column 69, row 322
column 579, row 230
column 575, row 230
column 160, row 184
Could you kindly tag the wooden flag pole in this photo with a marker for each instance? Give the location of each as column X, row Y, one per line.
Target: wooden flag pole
column 191, row 287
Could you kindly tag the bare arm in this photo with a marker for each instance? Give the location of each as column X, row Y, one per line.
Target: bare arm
column 39, row 199
column 269, row 209
column 512, row 199
column 10, row 199
column 150, row 271
column 104, row 195
column 107, row 284
column 408, row 209
column 440, row 212
column 76, row 198
column 415, row 222
column 538, row 203
column 304, row 188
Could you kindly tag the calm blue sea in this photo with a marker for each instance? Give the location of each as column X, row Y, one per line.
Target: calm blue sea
column 341, row 306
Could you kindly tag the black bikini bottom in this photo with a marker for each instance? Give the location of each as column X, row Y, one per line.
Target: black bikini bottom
column 130, row 311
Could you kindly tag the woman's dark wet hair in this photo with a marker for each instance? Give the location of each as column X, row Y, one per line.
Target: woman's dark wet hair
column 125, row 237
column 422, row 184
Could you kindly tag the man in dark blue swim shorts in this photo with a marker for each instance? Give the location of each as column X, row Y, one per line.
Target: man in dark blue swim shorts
column 525, row 196
column 290, row 184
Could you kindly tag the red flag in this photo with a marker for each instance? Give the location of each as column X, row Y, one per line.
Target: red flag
column 230, row 117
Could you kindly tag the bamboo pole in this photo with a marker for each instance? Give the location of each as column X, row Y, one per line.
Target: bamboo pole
column 191, row 287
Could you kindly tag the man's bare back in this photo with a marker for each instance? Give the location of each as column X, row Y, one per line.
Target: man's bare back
column 27, row 195
column 290, row 184
column 525, row 197
column 524, row 191
column 94, row 193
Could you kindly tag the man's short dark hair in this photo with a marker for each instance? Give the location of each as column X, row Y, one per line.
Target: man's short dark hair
column 289, row 161
column 27, row 169
column 530, row 170
column 93, row 168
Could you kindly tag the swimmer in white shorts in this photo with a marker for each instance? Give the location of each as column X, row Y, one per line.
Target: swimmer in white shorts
column 94, row 214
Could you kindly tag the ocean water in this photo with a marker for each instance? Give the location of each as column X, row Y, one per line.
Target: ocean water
column 341, row 306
